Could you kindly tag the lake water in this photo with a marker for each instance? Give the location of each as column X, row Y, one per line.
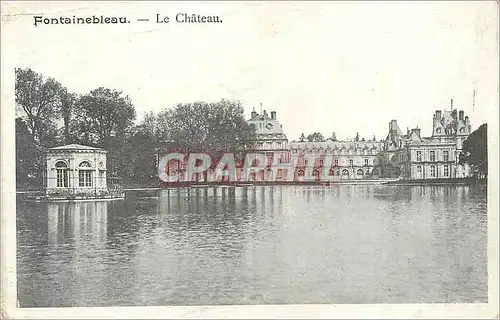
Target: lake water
column 256, row 245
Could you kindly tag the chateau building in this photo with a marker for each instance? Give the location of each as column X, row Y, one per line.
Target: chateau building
column 401, row 155
column 270, row 138
column 346, row 159
column 436, row 157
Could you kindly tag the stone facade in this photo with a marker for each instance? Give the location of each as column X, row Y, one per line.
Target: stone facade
column 76, row 171
column 411, row 156
column 270, row 139
column 269, row 132
column 401, row 155
column 348, row 159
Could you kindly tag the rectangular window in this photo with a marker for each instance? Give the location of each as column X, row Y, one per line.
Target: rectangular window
column 446, row 156
column 433, row 171
column 351, row 162
column 446, row 170
column 62, row 178
column 269, row 144
column 85, row 178
column 366, row 162
column 81, row 178
column 336, row 162
column 419, row 169
column 305, row 162
column 419, row 155
column 432, row 155
column 88, row 178
column 321, row 162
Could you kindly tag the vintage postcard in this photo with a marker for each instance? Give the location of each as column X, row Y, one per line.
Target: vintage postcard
column 249, row 159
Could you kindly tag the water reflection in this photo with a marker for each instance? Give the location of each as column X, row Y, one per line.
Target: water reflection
column 249, row 245
column 70, row 222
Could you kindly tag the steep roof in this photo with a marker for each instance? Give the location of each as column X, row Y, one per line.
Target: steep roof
column 75, row 146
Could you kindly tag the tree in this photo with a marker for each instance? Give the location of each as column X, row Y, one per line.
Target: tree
column 29, row 165
column 142, row 146
column 39, row 99
column 104, row 118
column 66, row 108
column 302, row 137
column 207, row 127
column 141, row 158
column 105, row 115
column 316, row 136
column 475, row 151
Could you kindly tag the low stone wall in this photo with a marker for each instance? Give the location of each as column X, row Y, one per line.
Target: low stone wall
column 76, row 193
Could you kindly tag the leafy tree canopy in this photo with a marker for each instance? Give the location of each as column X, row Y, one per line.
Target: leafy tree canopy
column 475, row 150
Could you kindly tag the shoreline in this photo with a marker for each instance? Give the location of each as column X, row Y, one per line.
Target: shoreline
column 379, row 182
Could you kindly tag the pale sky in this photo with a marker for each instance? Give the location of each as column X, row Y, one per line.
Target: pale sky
column 322, row 66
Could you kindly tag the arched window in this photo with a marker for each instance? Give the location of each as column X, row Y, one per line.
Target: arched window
column 84, row 164
column 359, row 172
column 331, row 172
column 61, row 174
column 85, row 175
column 345, row 172
column 300, row 172
column 315, row 173
column 375, row 172
column 61, row 164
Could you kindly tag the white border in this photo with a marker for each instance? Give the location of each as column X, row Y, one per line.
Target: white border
column 8, row 250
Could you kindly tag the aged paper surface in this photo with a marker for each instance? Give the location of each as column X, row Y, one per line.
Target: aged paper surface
column 249, row 159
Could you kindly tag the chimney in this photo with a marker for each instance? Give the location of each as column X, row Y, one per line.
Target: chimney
column 253, row 115
column 451, row 104
column 454, row 114
column 407, row 131
column 461, row 115
column 438, row 114
column 273, row 115
column 265, row 113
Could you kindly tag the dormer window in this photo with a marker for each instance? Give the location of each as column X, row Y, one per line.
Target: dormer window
column 462, row 130
column 438, row 130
